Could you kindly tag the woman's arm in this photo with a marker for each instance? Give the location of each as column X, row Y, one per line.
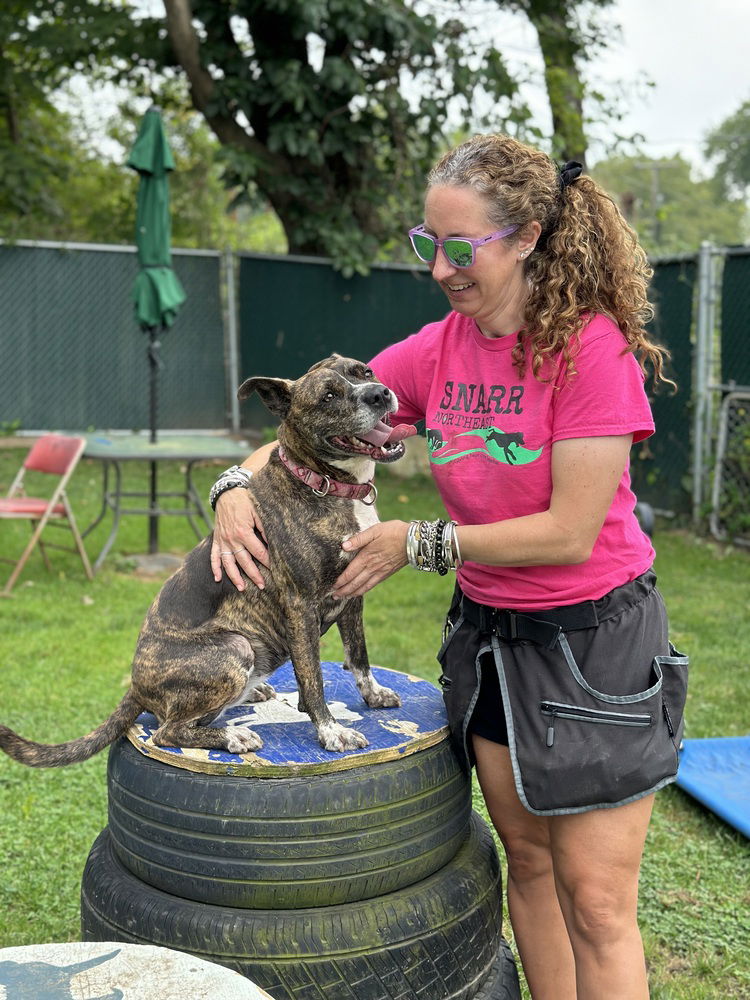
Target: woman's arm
column 237, row 544
column 585, row 475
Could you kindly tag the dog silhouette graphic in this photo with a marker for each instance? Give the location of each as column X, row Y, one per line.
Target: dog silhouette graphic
column 42, row 981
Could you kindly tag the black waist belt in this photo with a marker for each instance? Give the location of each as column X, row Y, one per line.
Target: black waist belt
column 541, row 627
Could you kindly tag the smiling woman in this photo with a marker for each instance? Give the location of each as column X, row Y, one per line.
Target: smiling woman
column 559, row 679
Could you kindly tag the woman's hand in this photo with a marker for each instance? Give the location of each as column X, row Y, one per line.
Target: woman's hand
column 381, row 551
column 237, row 544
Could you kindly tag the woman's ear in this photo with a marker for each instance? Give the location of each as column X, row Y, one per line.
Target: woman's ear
column 528, row 239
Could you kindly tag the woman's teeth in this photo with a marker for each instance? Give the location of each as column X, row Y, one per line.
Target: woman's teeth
column 460, row 288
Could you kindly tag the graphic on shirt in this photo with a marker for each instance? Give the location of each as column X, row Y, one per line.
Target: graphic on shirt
column 498, row 445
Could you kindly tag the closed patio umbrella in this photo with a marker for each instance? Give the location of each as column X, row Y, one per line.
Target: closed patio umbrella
column 157, row 292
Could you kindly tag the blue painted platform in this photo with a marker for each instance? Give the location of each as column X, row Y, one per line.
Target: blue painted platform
column 290, row 744
column 716, row 772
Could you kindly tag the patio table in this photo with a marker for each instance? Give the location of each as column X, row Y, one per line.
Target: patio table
column 114, row 450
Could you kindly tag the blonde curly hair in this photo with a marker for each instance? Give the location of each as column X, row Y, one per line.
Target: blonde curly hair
column 587, row 258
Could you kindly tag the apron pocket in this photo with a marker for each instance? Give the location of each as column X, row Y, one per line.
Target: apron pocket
column 574, row 747
column 557, row 710
column 674, row 692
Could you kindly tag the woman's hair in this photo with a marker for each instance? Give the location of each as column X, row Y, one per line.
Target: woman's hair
column 587, row 258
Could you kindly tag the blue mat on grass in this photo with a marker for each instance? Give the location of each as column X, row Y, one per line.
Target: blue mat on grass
column 716, row 772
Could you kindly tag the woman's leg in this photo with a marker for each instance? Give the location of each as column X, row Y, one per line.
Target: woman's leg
column 535, row 914
column 596, row 857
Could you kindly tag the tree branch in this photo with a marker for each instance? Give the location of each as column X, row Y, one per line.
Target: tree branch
column 186, row 46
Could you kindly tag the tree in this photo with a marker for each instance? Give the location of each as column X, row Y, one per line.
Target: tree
column 569, row 34
column 331, row 111
column 729, row 146
column 42, row 45
column 671, row 212
column 334, row 108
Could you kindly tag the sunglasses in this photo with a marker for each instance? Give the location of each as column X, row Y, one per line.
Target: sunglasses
column 460, row 250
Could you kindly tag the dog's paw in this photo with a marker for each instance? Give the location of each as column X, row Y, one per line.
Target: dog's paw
column 381, row 697
column 240, row 739
column 261, row 692
column 339, row 739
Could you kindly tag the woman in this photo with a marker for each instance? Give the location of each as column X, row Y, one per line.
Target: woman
column 532, row 391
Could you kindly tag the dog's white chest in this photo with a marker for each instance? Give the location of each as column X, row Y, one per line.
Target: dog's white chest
column 365, row 514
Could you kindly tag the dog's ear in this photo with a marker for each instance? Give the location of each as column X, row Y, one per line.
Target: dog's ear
column 326, row 362
column 275, row 393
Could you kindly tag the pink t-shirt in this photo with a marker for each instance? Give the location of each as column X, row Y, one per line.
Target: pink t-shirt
column 490, row 435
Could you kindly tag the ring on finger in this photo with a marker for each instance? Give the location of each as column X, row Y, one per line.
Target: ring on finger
column 232, row 552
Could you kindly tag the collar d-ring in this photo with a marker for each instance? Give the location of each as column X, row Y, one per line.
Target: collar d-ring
column 324, row 487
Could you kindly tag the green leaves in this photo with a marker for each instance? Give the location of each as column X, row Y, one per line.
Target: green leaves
column 350, row 98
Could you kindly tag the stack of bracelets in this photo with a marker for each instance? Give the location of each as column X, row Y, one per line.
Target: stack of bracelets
column 432, row 546
column 231, row 477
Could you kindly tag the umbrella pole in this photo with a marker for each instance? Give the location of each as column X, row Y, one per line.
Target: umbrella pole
column 153, row 520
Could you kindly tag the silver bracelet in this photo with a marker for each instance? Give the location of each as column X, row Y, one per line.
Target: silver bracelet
column 458, row 561
column 412, row 544
column 229, row 479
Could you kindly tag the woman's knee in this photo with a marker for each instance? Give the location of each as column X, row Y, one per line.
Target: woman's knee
column 600, row 914
column 528, row 855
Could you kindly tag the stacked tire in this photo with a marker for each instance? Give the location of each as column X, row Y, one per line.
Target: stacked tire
column 373, row 883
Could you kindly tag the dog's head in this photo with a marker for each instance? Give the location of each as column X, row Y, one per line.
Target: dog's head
column 337, row 411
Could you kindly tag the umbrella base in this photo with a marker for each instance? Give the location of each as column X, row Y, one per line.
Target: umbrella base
column 156, row 563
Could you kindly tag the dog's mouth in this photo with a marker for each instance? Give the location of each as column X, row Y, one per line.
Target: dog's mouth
column 382, row 444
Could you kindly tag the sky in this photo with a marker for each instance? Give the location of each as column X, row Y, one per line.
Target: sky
column 695, row 52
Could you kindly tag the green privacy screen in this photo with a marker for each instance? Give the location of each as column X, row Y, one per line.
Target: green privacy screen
column 296, row 311
column 660, row 466
column 74, row 357
column 735, row 310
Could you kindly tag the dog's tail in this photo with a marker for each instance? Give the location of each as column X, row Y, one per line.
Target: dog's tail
column 74, row 751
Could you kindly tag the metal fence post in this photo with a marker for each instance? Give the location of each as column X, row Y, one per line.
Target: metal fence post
column 232, row 346
column 703, row 335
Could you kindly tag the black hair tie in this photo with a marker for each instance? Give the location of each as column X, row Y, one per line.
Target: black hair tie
column 570, row 172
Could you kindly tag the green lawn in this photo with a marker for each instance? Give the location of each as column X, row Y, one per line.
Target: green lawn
column 66, row 645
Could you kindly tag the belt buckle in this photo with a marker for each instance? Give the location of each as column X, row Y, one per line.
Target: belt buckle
column 499, row 619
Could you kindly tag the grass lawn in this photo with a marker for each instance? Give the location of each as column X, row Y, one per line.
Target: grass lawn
column 65, row 650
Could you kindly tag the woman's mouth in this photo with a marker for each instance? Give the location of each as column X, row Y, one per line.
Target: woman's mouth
column 457, row 288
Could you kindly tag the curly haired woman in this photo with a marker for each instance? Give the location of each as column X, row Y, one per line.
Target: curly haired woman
column 560, row 683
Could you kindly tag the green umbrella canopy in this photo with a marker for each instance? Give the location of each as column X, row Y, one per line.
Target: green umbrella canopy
column 157, row 293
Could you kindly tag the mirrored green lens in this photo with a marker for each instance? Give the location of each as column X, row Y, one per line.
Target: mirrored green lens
column 459, row 252
column 424, row 248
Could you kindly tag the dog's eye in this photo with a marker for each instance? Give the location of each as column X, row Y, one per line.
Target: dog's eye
column 328, row 396
column 369, row 373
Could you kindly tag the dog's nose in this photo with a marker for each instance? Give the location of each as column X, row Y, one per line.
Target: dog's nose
column 377, row 395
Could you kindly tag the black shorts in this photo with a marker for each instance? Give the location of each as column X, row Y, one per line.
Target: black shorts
column 488, row 718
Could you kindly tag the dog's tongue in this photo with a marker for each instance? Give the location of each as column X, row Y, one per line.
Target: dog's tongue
column 383, row 432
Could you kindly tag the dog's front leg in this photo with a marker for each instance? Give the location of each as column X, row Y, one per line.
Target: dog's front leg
column 352, row 634
column 304, row 643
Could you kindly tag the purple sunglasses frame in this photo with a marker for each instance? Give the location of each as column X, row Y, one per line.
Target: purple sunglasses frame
column 420, row 231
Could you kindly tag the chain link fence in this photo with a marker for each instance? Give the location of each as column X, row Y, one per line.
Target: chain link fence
column 722, row 420
column 74, row 358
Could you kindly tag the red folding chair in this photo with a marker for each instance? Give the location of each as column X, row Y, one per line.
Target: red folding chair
column 55, row 455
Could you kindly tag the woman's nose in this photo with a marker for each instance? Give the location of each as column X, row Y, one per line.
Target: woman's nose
column 442, row 267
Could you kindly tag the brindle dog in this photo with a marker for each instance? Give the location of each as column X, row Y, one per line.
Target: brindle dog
column 205, row 646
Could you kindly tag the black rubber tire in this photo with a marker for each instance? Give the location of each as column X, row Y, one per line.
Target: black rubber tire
column 437, row 939
column 286, row 843
column 502, row 982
